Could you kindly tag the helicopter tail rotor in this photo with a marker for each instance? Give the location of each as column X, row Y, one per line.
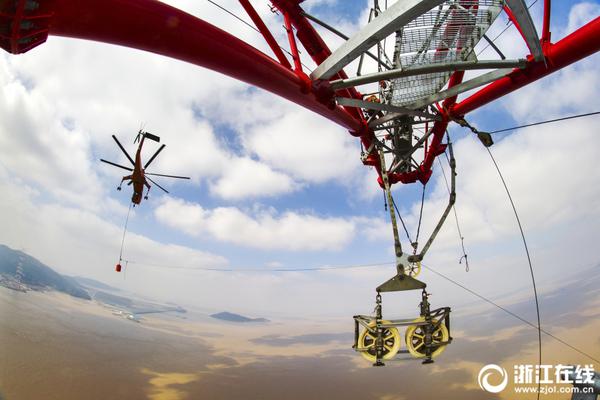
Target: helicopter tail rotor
column 148, row 135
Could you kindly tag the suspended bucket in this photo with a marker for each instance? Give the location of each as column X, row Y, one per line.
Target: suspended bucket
column 118, row 268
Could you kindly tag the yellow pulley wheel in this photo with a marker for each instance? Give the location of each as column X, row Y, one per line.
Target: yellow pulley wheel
column 415, row 339
column 391, row 342
column 413, row 269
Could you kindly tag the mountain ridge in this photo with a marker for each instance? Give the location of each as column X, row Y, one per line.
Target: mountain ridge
column 22, row 272
column 232, row 317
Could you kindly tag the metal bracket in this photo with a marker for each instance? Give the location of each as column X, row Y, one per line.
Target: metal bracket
column 401, row 282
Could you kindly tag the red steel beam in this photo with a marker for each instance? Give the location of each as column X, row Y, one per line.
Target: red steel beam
column 580, row 44
column 546, row 27
column 319, row 51
column 260, row 25
column 179, row 35
column 292, row 41
column 159, row 28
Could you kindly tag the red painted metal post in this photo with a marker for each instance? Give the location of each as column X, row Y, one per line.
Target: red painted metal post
column 260, row 25
column 546, row 27
column 292, row 41
column 313, row 43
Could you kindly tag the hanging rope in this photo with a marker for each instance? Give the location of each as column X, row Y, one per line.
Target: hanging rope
column 537, row 304
column 474, row 293
column 124, row 232
column 508, row 25
column 546, row 122
column 416, row 242
column 263, row 270
column 250, row 26
column 401, row 220
column 460, row 235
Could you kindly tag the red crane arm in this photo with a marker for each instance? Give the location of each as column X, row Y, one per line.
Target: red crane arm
column 162, row 29
column 159, row 28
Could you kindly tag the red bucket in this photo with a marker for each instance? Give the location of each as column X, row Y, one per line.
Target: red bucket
column 118, row 268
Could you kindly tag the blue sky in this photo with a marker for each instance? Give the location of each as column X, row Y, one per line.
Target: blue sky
column 262, row 194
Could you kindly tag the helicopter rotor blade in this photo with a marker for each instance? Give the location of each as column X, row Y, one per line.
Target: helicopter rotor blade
column 169, row 176
column 157, row 185
column 150, row 136
column 154, row 156
column 123, row 150
column 116, row 165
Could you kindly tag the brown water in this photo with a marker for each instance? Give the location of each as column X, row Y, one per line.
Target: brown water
column 53, row 346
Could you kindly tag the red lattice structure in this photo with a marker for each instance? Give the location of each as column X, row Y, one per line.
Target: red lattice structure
column 162, row 29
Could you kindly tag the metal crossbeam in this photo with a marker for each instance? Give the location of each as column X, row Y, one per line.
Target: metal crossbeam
column 340, row 34
column 463, row 87
column 426, row 69
column 521, row 14
column 386, row 23
column 369, row 105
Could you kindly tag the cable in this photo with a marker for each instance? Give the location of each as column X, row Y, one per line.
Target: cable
column 505, row 29
column 233, row 15
column 546, row 122
column 537, row 304
column 508, row 312
column 124, row 231
column 251, row 27
column 460, row 235
column 266, row 270
column 401, row 220
column 381, row 264
column 420, row 218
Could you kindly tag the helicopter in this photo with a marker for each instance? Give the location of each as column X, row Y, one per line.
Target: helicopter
column 139, row 177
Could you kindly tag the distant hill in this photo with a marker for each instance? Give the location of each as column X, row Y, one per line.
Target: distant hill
column 22, row 272
column 231, row 317
column 94, row 284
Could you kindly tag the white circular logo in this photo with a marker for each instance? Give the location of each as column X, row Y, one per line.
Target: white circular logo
column 484, row 375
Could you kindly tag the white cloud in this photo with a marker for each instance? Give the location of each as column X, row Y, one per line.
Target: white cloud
column 80, row 242
column 305, row 146
column 100, row 91
column 266, row 230
column 581, row 14
column 38, row 147
column 76, row 94
column 244, row 177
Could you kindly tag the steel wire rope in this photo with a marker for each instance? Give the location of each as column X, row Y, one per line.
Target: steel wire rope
column 537, row 304
column 507, row 311
column 381, row 264
column 252, row 27
column 124, row 232
column 401, row 220
column 504, row 30
column 265, row 270
column 420, row 218
column 460, row 235
column 545, row 122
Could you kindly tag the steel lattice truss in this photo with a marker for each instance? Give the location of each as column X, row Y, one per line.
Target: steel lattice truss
column 421, row 81
column 448, row 33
